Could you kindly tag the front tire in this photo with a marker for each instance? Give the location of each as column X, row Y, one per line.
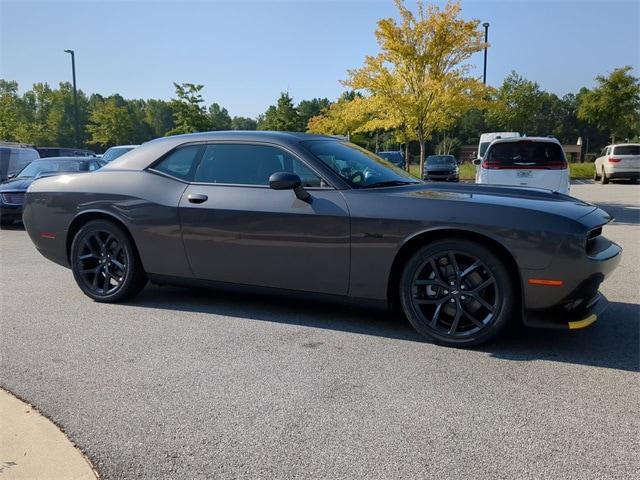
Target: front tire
column 6, row 222
column 105, row 263
column 457, row 293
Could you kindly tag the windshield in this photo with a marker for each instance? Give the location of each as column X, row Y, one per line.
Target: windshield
column 525, row 153
column 357, row 166
column 37, row 168
column 115, row 152
column 440, row 160
column 627, row 150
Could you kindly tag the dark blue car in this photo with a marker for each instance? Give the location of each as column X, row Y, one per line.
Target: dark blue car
column 12, row 192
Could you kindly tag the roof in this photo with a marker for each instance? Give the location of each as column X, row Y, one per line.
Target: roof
column 245, row 135
column 83, row 159
column 123, row 146
column 526, row 139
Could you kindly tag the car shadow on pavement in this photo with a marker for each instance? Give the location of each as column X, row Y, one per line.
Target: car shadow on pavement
column 623, row 214
column 610, row 343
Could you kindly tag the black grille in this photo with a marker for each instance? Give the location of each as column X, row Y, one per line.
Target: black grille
column 13, row 198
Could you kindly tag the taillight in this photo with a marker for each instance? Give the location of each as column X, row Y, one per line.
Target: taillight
column 614, row 160
column 492, row 165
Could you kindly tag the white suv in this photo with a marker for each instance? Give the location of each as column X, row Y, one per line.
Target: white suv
column 524, row 161
column 618, row 161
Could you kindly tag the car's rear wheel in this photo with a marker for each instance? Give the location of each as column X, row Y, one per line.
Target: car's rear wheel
column 603, row 178
column 457, row 293
column 105, row 263
column 596, row 177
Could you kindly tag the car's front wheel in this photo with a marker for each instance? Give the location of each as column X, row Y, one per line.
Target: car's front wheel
column 457, row 293
column 105, row 263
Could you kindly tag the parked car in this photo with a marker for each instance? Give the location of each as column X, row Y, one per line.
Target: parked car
column 13, row 158
column 46, row 152
column 396, row 157
column 114, row 152
column 525, row 161
column 12, row 192
column 487, row 138
column 441, row 167
column 618, row 161
column 231, row 210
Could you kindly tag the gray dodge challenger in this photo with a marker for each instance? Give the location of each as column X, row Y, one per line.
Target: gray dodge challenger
column 293, row 212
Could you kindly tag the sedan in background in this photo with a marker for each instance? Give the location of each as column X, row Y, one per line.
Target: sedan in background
column 12, row 192
column 281, row 211
column 441, row 167
column 618, row 161
column 114, row 152
column 396, row 157
column 524, row 161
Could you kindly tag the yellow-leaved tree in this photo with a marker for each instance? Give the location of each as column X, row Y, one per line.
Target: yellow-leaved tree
column 419, row 83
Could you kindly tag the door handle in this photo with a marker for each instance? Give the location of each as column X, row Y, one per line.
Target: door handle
column 197, row 198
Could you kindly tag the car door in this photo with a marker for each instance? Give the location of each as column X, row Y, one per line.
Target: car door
column 236, row 229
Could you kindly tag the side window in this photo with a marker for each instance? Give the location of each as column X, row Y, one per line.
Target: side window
column 180, row 163
column 238, row 164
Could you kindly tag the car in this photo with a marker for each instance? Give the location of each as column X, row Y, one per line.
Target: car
column 114, row 152
column 487, row 138
column 13, row 158
column 46, row 152
column 12, row 192
column 315, row 216
column 396, row 157
column 441, row 167
column 621, row 160
column 525, row 161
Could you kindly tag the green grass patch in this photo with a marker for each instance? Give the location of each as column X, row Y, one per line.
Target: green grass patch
column 468, row 170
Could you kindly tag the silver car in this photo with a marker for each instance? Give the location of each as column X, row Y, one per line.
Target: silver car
column 618, row 161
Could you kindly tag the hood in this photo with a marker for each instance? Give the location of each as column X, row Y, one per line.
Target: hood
column 16, row 184
column 516, row 197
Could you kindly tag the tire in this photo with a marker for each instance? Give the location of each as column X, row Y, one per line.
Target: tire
column 603, row 178
column 595, row 175
column 481, row 315
column 105, row 263
column 6, row 222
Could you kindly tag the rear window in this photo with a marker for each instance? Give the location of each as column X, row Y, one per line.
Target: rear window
column 525, row 154
column 627, row 150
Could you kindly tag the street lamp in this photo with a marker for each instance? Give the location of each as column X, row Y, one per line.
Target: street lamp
column 75, row 96
column 486, row 39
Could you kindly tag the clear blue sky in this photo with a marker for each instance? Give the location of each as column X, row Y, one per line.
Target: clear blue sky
column 246, row 53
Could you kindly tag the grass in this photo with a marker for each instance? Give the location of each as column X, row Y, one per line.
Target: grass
column 468, row 171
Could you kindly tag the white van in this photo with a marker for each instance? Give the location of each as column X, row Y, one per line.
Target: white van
column 524, row 161
column 487, row 138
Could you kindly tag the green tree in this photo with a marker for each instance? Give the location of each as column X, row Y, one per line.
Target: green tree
column 158, row 114
column 219, row 116
column 614, row 105
column 283, row 116
column 243, row 123
column 307, row 109
column 11, row 111
column 110, row 124
column 189, row 114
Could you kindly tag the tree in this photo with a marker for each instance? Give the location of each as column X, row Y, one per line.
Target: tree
column 243, row 123
column 188, row 112
column 307, row 109
column 158, row 114
column 220, row 119
column 283, row 116
column 110, row 124
column 614, row 105
column 10, row 111
column 419, row 79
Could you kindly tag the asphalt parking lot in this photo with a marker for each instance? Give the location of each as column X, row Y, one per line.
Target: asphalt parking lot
column 193, row 384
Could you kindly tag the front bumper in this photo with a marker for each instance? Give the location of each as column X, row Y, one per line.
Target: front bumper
column 447, row 177
column 577, row 303
column 13, row 212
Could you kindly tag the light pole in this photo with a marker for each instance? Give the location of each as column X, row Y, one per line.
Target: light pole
column 486, row 39
column 75, row 96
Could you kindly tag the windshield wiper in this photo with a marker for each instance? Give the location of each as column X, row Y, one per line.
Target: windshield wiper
column 389, row 183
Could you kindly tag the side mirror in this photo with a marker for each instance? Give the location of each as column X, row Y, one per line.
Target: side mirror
column 477, row 161
column 10, row 176
column 289, row 181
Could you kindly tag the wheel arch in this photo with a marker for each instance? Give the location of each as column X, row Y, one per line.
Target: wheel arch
column 412, row 244
column 87, row 216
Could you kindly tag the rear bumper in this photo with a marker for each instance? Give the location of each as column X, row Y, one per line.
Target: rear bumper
column 632, row 174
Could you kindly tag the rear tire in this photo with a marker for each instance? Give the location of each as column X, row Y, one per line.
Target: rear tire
column 105, row 263
column 603, row 178
column 457, row 293
column 595, row 175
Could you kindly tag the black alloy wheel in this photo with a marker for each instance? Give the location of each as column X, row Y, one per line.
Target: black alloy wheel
column 105, row 265
column 456, row 293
